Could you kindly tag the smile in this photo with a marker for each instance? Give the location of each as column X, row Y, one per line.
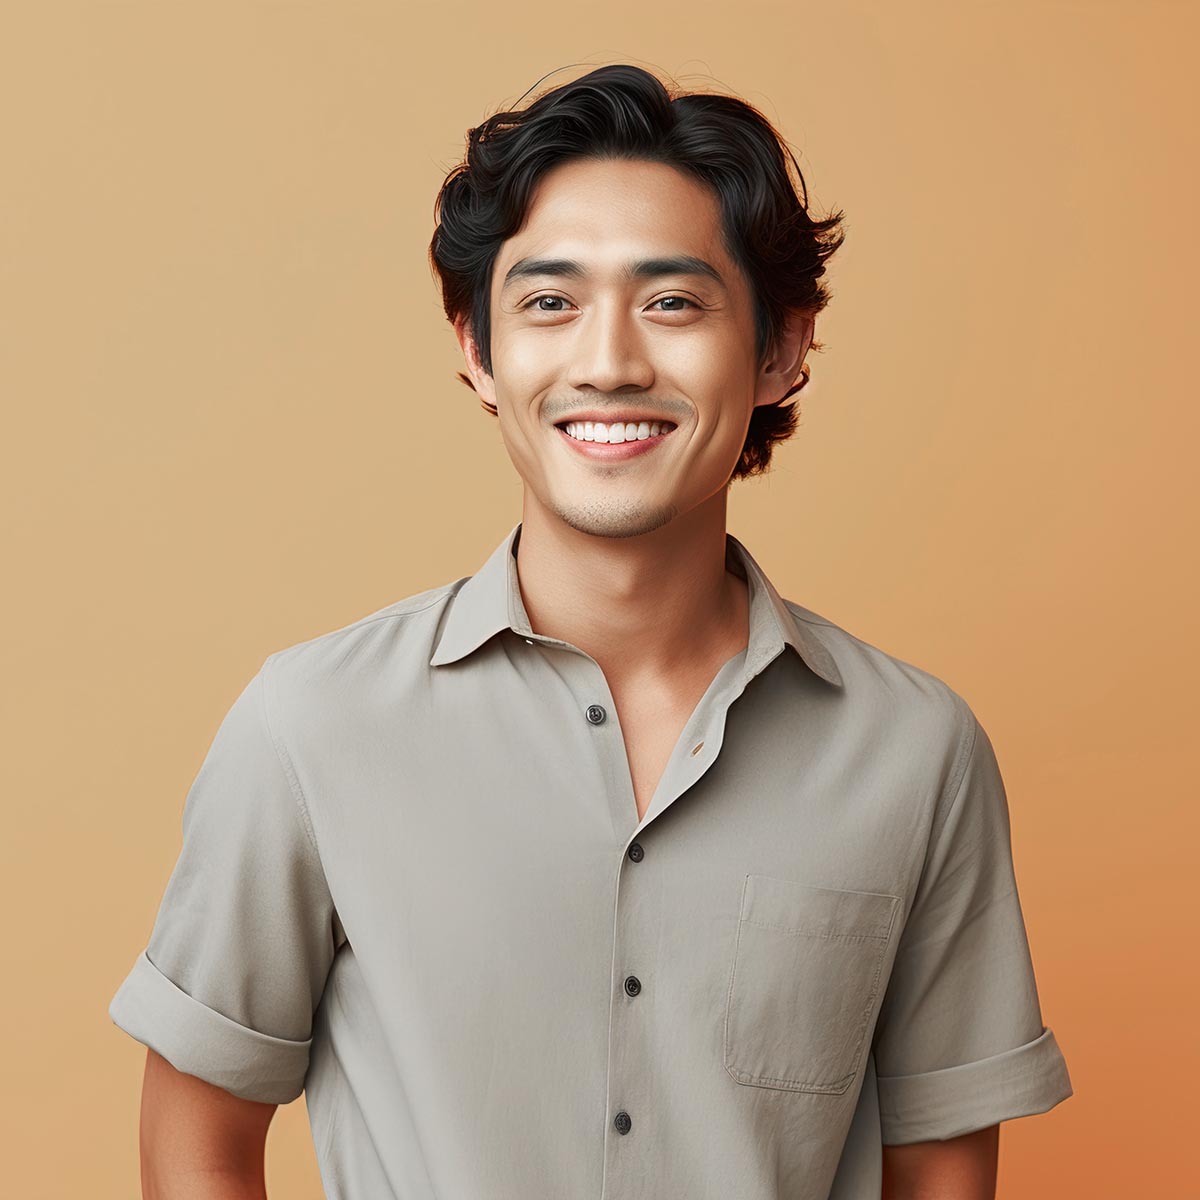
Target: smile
column 615, row 433
column 620, row 440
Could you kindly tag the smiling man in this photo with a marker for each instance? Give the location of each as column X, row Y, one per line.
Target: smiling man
column 605, row 871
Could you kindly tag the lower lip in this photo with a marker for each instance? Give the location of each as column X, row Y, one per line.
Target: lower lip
column 613, row 451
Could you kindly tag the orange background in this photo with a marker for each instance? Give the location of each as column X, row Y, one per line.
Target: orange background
column 231, row 423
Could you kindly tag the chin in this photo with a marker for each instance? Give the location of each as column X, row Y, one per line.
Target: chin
column 605, row 518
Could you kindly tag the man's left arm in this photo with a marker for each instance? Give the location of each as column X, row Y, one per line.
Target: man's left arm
column 960, row 1168
column 960, row 1045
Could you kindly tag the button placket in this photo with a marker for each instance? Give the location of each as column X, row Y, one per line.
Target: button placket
column 627, row 1087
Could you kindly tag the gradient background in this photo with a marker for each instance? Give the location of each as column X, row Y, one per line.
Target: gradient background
column 231, row 423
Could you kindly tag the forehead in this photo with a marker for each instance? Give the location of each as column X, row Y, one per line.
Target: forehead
column 605, row 212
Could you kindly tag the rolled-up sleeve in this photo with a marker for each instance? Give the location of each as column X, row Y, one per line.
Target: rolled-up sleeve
column 246, row 931
column 960, row 1043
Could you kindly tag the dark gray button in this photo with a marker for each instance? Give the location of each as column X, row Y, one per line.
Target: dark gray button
column 596, row 714
column 636, row 852
column 633, row 985
column 623, row 1121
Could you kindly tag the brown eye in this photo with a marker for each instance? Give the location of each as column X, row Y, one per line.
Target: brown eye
column 537, row 301
column 680, row 299
column 545, row 296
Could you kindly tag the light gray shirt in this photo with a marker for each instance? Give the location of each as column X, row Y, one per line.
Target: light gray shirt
column 414, row 885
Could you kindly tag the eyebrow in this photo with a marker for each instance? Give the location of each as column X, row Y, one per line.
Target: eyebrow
column 643, row 268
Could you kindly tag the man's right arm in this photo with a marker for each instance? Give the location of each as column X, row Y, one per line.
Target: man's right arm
column 198, row 1141
column 223, row 996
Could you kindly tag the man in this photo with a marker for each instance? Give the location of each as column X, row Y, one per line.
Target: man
column 605, row 871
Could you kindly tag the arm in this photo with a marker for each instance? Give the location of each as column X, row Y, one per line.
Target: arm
column 199, row 1142
column 960, row 1044
column 225, row 991
column 959, row 1168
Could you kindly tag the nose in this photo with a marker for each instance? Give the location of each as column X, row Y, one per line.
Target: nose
column 608, row 351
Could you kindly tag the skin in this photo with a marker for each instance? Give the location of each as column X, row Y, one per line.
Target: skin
column 961, row 1168
column 623, row 560
column 605, row 544
column 197, row 1141
column 626, row 560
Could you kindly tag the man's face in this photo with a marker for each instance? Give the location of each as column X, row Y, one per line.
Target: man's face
column 624, row 337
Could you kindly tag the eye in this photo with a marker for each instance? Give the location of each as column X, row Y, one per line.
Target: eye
column 661, row 300
column 683, row 299
column 543, row 296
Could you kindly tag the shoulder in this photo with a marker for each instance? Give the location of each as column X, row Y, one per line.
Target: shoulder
column 891, row 698
column 387, row 650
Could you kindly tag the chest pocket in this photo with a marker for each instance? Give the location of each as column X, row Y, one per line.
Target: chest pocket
column 805, row 982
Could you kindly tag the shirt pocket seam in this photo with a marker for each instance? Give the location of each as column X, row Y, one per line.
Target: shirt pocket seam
column 789, row 908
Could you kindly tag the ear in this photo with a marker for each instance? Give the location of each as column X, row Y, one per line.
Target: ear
column 484, row 384
column 783, row 369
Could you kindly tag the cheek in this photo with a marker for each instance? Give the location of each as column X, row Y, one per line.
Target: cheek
column 522, row 355
column 723, row 399
column 712, row 363
column 521, row 385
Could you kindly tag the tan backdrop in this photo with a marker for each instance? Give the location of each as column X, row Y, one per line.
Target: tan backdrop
column 231, row 423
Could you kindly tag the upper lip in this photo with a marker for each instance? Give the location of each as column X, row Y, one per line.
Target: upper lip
column 611, row 418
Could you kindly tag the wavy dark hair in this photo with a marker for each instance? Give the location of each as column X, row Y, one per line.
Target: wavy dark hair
column 625, row 112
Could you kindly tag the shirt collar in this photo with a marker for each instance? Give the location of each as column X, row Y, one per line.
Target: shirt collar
column 490, row 601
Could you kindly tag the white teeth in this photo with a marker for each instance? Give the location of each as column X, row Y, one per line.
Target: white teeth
column 619, row 431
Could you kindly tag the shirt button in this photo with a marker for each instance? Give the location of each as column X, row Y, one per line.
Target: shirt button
column 596, row 714
column 633, row 985
column 623, row 1121
column 636, row 852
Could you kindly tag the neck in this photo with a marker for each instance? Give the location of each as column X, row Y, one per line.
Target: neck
column 640, row 605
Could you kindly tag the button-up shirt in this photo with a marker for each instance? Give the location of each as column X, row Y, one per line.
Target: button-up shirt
column 414, row 885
